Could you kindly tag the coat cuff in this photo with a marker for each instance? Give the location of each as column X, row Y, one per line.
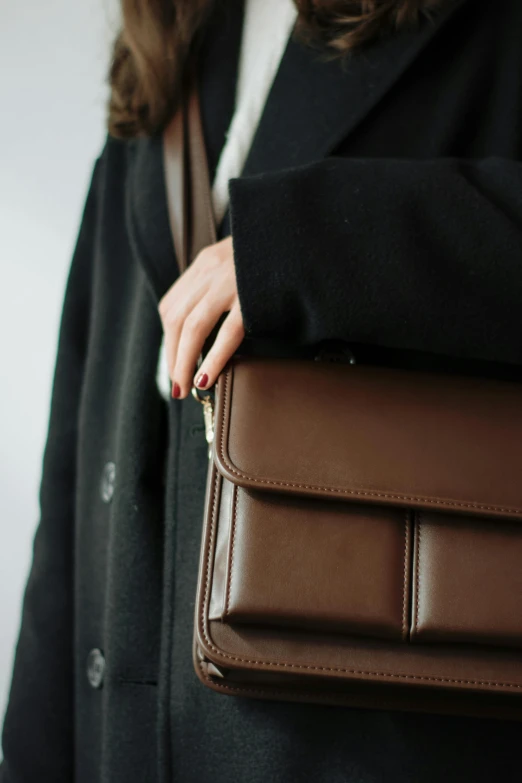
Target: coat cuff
column 264, row 255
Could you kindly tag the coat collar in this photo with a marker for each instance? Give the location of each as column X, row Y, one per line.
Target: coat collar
column 315, row 104
column 312, row 106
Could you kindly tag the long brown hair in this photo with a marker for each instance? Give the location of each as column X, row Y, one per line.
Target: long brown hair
column 158, row 35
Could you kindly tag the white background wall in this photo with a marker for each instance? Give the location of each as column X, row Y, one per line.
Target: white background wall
column 53, row 58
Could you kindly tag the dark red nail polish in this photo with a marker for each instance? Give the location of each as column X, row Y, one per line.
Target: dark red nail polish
column 202, row 380
column 176, row 391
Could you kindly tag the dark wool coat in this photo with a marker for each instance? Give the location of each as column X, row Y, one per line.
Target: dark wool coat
column 381, row 204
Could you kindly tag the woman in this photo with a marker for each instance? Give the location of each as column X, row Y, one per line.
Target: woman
column 380, row 203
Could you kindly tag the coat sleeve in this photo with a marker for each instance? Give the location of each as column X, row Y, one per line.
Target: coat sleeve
column 422, row 255
column 38, row 727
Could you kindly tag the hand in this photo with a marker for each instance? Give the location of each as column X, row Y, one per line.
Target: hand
column 189, row 311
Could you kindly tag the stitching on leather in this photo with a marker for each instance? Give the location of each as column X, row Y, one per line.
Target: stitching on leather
column 209, row 554
column 352, row 492
column 232, row 542
column 405, row 584
column 263, row 691
column 239, row 688
column 418, row 524
column 270, row 690
column 270, row 664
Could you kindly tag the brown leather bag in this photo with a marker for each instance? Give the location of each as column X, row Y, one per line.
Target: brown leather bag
column 362, row 541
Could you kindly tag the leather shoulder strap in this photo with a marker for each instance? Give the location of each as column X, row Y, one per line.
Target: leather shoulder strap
column 187, row 181
column 175, row 183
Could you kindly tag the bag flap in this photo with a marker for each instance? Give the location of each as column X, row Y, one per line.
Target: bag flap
column 371, row 435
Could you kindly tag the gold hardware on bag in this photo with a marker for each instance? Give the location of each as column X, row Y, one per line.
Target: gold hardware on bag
column 208, row 416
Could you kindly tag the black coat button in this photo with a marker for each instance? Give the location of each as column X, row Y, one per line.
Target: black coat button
column 108, row 481
column 95, row 668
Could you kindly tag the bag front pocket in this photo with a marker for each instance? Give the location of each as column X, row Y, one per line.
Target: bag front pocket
column 312, row 564
column 467, row 580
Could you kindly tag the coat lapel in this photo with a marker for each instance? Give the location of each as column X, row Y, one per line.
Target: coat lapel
column 315, row 104
column 218, row 65
column 146, row 208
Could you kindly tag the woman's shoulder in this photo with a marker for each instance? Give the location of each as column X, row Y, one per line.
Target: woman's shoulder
column 112, row 179
column 128, row 168
column 112, row 163
column 126, row 201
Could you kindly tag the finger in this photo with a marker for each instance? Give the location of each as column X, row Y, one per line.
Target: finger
column 174, row 318
column 228, row 340
column 196, row 328
column 180, row 289
column 196, row 277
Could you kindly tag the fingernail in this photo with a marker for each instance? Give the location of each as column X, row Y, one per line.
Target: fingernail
column 202, row 380
column 176, row 391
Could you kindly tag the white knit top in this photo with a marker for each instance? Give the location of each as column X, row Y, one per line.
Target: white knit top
column 266, row 28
